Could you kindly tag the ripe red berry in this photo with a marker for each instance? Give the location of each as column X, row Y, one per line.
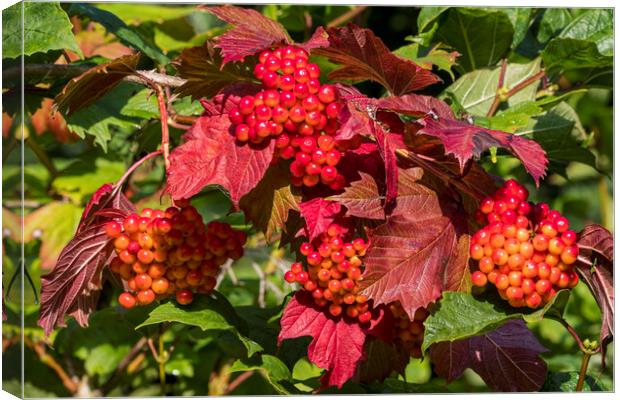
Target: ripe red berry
column 184, row 297
column 127, row 300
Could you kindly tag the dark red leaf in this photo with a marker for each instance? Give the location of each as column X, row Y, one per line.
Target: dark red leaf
column 362, row 198
column 204, row 72
column 409, row 254
column 319, row 214
column 389, row 160
column 70, row 287
column 363, row 56
column 337, row 344
column 465, row 141
column 381, row 359
column 251, row 32
column 595, row 267
column 106, row 197
column 211, row 156
column 415, row 105
column 507, row 359
column 319, row 39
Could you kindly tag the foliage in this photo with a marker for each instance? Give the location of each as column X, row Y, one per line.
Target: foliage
column 432, row 114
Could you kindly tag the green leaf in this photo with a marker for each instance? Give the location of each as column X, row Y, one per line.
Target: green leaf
column 428, row 15
column 142, row 105
column 82, row 178
column 461, row 315
column 103, row 118
column 567, row 53
column 521, row 19
column 274, row 370
column 512, row 119
column 115, row 25
column 46, row 27
column 429, row 56
column 552, row 22
column 567, row 382
column 481, row 36
column 560, row 133
column 209, row 313
column 595, row 25
column 135, row 14
column 476, row 90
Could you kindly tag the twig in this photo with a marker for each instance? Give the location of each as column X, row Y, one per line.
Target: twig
column 238, row 381
column 184, row 119
column 525, row 83
column 136, row 165
column 68, row 71
column 39, row 349
column 500, row 87
column 125, row 362
column 583, row 371
column 349, row 15
column 42, row 156
column 261, row 284
column 177, row 125
column 572, row 331
column 163, row 117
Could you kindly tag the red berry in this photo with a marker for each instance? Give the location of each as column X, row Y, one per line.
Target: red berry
column 127, row 300
column 184, row 297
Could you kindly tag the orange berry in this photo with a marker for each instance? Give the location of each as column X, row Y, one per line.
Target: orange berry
column 127, row 300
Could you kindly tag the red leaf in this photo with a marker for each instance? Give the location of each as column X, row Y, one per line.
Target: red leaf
column 337, row 345
column 319, row 39
column 389, row 160
column 70, row 288
column 211, row 156
column 381, row 359
column 107, row 196
column 466, row 141
column 363, row 56
column 409, row 254
column 204, row 72
column 251, row 32
column 362, row 198
column 507, row 359
column 415, row 105
column 319, row 214
column 596, row 269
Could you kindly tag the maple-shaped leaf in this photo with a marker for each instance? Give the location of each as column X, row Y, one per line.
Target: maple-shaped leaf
column 251, row 32
column 409, row 254
column 507, row 359
column 107, row 196
column 337, row 343
column 466, row 141
column 595, row 267
column 205, row 74
column 94, row 83
column 364, row 56
column 319, row 214
column 319, row 39
column 211, row 156
column 70, row 288
column 415, row 105
column 269, row 203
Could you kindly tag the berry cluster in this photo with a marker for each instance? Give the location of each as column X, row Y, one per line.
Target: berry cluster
column 409, row 334
column 171, row 252
column 334, row 270
column 527, row 251
column 296, row 110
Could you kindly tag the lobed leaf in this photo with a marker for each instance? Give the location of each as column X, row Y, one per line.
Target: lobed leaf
column 209, row 313
column 386, row 151
column 595, row 267
column 94, row 83
column 364, row 56
column 251, row 32
column 415, row 105
column 337, row 344
column 507, row 359
column 460, row 315
column 211, row 156
column 319, row 214
column 274, row 370
column 269, row 203
column 465, row 141
column 205, row 73
column 409, row 254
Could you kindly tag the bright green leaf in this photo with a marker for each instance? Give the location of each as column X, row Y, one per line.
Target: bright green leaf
column 46, row 27
column 596, row 25
column 461, row 315
column 567, row 382
column 274, row 370
column 476, row 90
column 521, row 19
column 552, row 22
column 134, row 13
column 83, row 177
column 428, row 15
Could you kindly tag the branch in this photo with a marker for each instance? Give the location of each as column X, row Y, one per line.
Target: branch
column 163, row 116
column 39, row 349
column 500, row 87
column 120, row 368
column 349, row 15
column 63, row 71
column 238, row 381
column 136, row 165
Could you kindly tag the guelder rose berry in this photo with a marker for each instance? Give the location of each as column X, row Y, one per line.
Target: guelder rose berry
column 293, row 105
column 526, row 251
column 170, row 253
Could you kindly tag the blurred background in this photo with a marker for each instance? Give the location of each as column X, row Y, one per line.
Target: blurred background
column 66, row 160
